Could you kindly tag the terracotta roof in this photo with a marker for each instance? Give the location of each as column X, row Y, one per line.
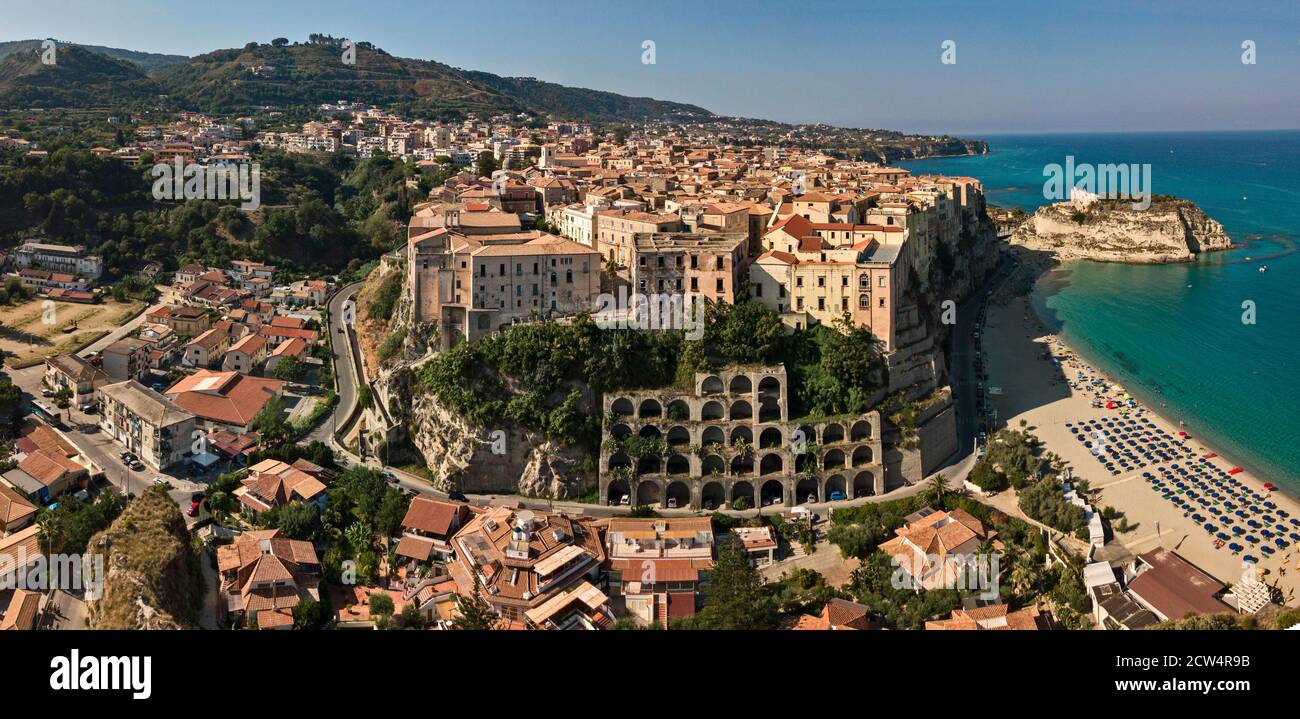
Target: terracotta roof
column 14, row 507
column 226, row 397
column 1175, row 587
column 430, row 515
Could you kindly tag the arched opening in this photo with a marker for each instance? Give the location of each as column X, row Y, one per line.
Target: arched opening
column 769, row 388
column 650, row 431
column 740, row 384
column 616, row 491
column 620, row 431
column 805, row 463
column 833, row 459
column 832, row 433
column 773, row 492
column 647, row 493
column 678, row 465
column 742, row 495
column 711, row 385
column 711, row 411
column 742, row 409
column 769, row 410
column 619, row 459
column 835, row 489
column 622, row 407
column 650, row 408
column 713, row 495
column 679, row 411
column 742, row 465
column 649, row 465
column 862, row 456
column 806, row 491
column 770, row 438
column 679, row 436
column 712, row 435
column 742, row 433
column 771, row 464
column 713, row 464
column 809, row 433
column 678, row 495
column 864, row 484
column 861, row 430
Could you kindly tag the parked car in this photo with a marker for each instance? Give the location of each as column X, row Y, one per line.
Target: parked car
column 624, row 500
column 194, row 509
column 196, row 497
column 672, row 503
column 457, row 496
column 45, row 392
column 836, row 496
column 137, row 465
column 159, row 479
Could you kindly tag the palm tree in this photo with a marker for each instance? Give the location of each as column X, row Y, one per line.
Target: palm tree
column 1024, row 574
column 936, row 488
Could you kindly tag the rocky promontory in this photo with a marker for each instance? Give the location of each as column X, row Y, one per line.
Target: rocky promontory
column 1104, row 230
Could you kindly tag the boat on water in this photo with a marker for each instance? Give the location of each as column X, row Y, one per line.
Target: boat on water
column 1263, row 268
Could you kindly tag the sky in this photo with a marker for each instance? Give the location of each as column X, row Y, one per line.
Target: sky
column 1020, row 67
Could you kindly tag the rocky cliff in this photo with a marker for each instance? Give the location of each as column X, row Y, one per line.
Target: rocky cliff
column 152, row 577
column 1170, row 230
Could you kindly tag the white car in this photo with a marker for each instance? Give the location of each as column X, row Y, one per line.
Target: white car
column 160, row 480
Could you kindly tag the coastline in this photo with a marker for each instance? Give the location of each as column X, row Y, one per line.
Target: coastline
column 1048, row 396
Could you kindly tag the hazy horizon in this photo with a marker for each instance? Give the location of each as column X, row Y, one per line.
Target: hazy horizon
column 1019, row 68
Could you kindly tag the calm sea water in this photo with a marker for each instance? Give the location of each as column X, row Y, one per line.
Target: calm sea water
column 1174, row 333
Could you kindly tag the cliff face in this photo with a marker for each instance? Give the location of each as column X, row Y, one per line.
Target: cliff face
column 1171, row 230
column 914, row 149
column 152, row 575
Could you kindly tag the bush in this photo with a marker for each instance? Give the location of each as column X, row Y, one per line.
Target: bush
column 984, row 476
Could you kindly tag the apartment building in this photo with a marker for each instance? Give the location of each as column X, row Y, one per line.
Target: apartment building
column 224, row 400
column 125, row 359
column 707, row 265
column 616, row 230
column 67, row 259
column 656, row 565
column 76, row 375
column 184, row 319
column 146, row 423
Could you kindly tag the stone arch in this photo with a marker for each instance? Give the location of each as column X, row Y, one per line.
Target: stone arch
column 679, row 436
column 649, row 465
column 864, row 484
column 832, row 433
column 742, row 432
column 711, row 385
column 833, row 485
column 740, row 384
column 806, row 491
column 809, row 433
column 804, row 462
column 862, row 456
column 678, row 465
column 647, row 493
column 713, row 495
column 650, row 431
column 678, row 495
column 743, row 489
column 616, row 491
column 619, row 459
column 769, row 388
column 712, row 435
column 861, row 430
column 742, row 465
column 773, row 492
column 770, row 437
column 621, row 407
column 620, row 431
column 650, row 408
column 741, row 410
column 679, row 411
column 711, row 463
column 771, row 463
column 712, row 410
column 834, row 459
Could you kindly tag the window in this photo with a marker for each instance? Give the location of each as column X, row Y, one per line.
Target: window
column 798, row 282
column 821, row 281
column 502, row 271
column 568, row 276
column 882, row 301
column 661, row 261
column 844, row 281
column 519, row 269
column 758, row 290
column 719, row 285
column 864, row 282
column 642, row 260
column 882, row 281
column 821, row 303
column 695, row 285
column 864, row 302
column 695, row 261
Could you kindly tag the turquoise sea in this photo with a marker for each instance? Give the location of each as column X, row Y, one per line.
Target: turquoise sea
column 1174, row 333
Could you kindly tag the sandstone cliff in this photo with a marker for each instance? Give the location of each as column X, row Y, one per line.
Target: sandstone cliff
column 1170, row 230
column 152, row 573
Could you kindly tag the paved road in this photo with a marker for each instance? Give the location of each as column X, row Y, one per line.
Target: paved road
column 963, row 377
column 344, row 363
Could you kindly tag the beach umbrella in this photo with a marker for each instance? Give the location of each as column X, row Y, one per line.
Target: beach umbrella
column 1222, row 536
column 1269, row 486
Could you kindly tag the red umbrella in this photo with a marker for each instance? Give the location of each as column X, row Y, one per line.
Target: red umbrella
column 1211, row 455
column 1236, row 470
column 1269, row 486
column 1182, row 434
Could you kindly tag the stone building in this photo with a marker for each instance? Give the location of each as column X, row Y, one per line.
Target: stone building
column 730, row 437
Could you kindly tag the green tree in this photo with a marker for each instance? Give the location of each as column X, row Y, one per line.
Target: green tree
column 270, row 423
column 289, row 369
column 473, row 613
column 736, row 598
column 486, row 164
column 412, row 617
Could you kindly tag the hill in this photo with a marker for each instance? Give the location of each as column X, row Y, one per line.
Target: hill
column 153, row 578
column 148, row 61
column 1112, row 230
column 78, row 78
column 308, row 74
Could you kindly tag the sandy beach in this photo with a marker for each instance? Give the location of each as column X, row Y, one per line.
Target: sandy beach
column 1035, row 377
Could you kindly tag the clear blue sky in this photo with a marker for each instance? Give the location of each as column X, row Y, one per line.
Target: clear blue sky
column 1021, row 66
